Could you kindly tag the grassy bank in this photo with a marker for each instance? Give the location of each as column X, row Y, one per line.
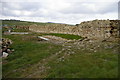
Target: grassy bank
column 66, row 36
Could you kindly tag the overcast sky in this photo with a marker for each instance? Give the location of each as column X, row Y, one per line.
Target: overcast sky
column 60, row 11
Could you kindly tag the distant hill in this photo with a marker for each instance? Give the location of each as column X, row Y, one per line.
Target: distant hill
column 19, row 22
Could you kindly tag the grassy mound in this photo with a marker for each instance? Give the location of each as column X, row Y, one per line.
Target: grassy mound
column 66, row 36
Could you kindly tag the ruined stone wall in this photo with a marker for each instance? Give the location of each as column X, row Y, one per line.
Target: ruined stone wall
column 97, row 29
column 115, row 27
column 54, row 28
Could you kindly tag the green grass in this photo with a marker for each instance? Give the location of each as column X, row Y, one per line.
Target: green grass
column 102, row 64
column 27, row 52
column 26, row 23
column 83, row 64
column 66, row 36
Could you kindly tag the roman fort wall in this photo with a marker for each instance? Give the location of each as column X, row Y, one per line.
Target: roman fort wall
column 97, row 29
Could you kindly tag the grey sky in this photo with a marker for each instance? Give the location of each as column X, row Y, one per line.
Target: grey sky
column 61, row 11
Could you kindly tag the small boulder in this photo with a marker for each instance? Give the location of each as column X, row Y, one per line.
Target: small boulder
column 5, row 54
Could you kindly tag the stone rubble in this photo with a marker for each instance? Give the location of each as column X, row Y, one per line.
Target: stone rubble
column 4, row 55
column 92, row 46
column 5, row 47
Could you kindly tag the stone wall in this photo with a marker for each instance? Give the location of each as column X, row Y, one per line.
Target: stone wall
column 96, row 29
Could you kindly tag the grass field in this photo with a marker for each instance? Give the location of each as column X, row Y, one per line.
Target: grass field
column 15, row 22
column 29, row 52
column 66, row 36
column 84, row 65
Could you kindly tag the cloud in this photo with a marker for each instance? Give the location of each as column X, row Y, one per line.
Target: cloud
column 63, row 11
column 91, row 8
column 60, row 0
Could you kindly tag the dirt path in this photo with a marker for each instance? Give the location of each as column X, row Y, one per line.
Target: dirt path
column 39, row 70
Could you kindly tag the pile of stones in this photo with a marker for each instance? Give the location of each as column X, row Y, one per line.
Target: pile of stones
column 93, row 45
column 5, row 47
